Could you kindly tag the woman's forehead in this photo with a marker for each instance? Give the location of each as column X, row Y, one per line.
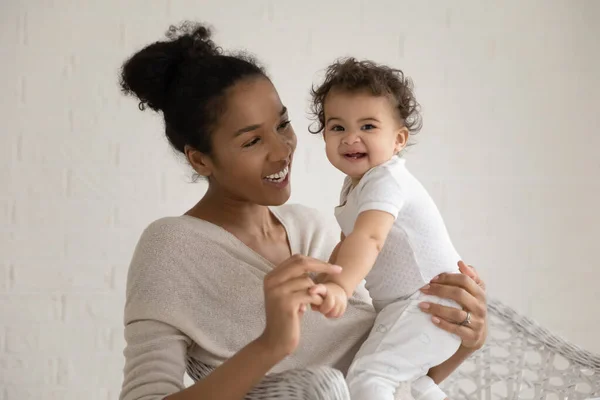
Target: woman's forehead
column 252, row 101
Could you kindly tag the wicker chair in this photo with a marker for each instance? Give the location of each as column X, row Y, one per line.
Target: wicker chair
column 520, row 360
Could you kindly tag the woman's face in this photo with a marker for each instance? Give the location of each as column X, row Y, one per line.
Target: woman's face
column 253, row 145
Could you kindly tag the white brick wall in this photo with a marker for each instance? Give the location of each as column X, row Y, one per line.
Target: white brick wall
column 509, row 151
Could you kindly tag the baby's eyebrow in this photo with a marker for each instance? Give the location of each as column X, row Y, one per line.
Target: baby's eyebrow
column 369, row 119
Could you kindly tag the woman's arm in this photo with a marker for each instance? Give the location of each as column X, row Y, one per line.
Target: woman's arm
column 235, row 377
column 286, row 295
column 156, row 351
column 155, row 365
column 468, row 290
column 442, row 371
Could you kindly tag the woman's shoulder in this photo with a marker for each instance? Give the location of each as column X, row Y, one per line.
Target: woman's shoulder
column 160, row 235
column 315, row 233
column 166, row 226
column 308, row 219
column 298, row 210
column 171, row 232
column 170, row 243
column 167, row 229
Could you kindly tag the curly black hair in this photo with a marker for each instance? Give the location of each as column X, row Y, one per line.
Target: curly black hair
column 350, row 74
column 185, row 77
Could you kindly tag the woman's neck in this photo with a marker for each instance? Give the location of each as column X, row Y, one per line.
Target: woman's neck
column 235, row 215
column 253, row 224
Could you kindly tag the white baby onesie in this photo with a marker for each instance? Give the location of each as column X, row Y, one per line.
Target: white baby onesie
column 404, row 343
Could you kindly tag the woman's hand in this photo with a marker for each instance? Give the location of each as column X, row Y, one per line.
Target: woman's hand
column 468, row 290
column 286, row 297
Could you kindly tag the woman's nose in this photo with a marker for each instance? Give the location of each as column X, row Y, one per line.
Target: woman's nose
column 280, row 149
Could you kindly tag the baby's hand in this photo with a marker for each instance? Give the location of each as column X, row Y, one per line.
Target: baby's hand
column 334, row 299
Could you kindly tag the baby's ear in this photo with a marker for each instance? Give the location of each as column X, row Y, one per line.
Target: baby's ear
column 401, row 139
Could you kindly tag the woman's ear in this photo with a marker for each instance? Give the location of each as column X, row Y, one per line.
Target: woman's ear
column 401, row 139
column 201, row 163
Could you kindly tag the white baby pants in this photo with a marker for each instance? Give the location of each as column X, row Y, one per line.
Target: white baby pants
column 402, row 346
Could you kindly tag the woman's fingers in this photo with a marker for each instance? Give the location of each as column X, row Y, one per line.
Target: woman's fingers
column 297, row 300
column 458, row 294
column 467, row 270
column 468, row 290
column 319, row 289
column 450, row 314
column 471, row 272
column 464, row 332
column 314, row 301
column 303, row 283
column 301, row 289
column 297, row 266
column 459, row 281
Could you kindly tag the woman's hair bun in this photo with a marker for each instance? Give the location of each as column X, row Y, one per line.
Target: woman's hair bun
column 149, row 73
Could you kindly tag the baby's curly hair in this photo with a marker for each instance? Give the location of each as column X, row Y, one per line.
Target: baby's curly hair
column 350, row 74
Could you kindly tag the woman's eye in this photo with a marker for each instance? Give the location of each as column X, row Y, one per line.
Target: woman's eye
column 284, row 124
column 252, row 142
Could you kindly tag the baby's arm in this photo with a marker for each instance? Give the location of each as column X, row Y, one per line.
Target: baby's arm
column 380, row 199
column 334, row 297
column 320, row 278
column 356, row 254
column 359, row 250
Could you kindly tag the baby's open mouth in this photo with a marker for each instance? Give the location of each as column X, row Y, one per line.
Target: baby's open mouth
column 355, row 156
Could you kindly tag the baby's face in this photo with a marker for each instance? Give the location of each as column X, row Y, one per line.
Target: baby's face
column 361, row 131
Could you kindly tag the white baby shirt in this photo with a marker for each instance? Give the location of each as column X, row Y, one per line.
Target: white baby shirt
column 418, row 246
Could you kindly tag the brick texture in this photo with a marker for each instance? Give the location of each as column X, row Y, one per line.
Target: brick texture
column 508, row 150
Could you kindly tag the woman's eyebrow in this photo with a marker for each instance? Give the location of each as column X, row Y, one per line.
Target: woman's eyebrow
column 254, row 127
column 246, row 129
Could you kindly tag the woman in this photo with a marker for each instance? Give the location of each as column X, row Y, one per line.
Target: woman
column 224, row 287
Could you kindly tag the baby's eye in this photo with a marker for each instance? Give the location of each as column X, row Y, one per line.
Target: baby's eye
column 368, row 127
column 337, row 128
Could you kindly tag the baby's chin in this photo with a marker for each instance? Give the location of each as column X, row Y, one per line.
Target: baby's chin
column 355, row 175
column 353, row 170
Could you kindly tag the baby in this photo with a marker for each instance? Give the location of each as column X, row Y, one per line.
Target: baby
column 393, row 235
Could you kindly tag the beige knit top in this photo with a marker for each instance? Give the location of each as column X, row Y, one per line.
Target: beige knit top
column 194, row 289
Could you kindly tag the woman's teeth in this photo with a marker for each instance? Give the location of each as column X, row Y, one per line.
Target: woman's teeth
column 280, row 176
